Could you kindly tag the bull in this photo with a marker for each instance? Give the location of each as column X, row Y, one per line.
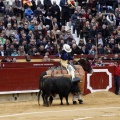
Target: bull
column 61, row 85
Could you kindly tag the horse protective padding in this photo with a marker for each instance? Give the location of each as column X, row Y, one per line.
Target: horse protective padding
column 79, row 72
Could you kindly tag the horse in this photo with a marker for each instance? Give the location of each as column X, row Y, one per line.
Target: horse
column 49, row 82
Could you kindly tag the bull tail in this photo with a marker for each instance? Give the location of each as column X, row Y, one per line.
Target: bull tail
column 39, row 93
column 40, row 86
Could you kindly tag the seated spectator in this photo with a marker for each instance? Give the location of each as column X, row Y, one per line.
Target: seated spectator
column 32, row 25
column 28, row 13
column 84, row 50
column 111, row 18
column 3, row 52
column 107, row 49
column 21, row 51
column 99, row 62
column 42, row 50
column 116, row 49
column 14, row 53
column 14, row 60
column 33, row 51
column 92, row 51
column 116, row 57
column 6, row 59
column 100, row 49
column 75, row 49
column 46, row 59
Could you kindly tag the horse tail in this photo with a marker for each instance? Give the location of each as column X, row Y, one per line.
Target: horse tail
column 40, row 86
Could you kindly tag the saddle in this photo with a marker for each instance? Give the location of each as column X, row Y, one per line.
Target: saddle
column 61, row 71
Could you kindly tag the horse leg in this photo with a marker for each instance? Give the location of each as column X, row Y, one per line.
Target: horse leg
column 74, row 99
column 61, row 98
column 66, row 97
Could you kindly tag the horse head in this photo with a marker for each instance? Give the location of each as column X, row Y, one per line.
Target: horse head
column 85, row 64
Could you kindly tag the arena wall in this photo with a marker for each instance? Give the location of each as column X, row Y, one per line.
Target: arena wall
column 20, row 81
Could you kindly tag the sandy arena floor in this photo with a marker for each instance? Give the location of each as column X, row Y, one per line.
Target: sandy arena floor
column 97, row 106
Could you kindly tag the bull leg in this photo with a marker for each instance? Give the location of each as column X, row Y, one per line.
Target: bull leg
column 43, row 97
column 46, row 100
column 66, row 97
column 61, row 98
column 51, row 100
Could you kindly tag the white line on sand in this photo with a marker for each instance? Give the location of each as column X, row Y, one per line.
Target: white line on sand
column 110, row 115
column 84, row 109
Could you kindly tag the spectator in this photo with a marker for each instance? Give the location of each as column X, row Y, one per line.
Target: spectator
column 21, row 51
column 2, row 51
column 116, row 57
column 14, row 60
column 28, row 13
column 65, row 11
column 14, row 53
column 33, row 51
column 117, row 78
column 55, row 10
column 99, row 62
column 75, row 49
column 92, row 51
column 46, row 59
column 17, row 8
column 6, row 59
column 34, row 6
column 2, row 7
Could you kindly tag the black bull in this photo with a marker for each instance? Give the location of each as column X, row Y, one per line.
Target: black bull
column 61, row 86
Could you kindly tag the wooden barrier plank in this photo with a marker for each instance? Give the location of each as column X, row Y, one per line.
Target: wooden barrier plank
column 29, row 64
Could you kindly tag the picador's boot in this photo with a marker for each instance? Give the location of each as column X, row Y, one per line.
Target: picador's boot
column 74, row 102
column 75, row 80
column 80, row 101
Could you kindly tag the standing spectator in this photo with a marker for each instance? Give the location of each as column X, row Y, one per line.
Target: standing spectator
column 34, row 6
column 55, row 10
column 2, row 7
column 17, row 8
column 111, row 18
column 65, row 11
column 47, row 5
column 73, row 19
column 117, row 78
column 10, row 11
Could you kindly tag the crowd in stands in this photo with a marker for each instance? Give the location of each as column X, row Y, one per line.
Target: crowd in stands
column 40, row 29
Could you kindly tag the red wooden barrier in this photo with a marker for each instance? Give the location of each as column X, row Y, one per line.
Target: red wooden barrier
column 29, row 64
column 101, row 79
column 27, row 78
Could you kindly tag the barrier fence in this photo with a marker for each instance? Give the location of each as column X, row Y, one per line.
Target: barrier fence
column 25, row 76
